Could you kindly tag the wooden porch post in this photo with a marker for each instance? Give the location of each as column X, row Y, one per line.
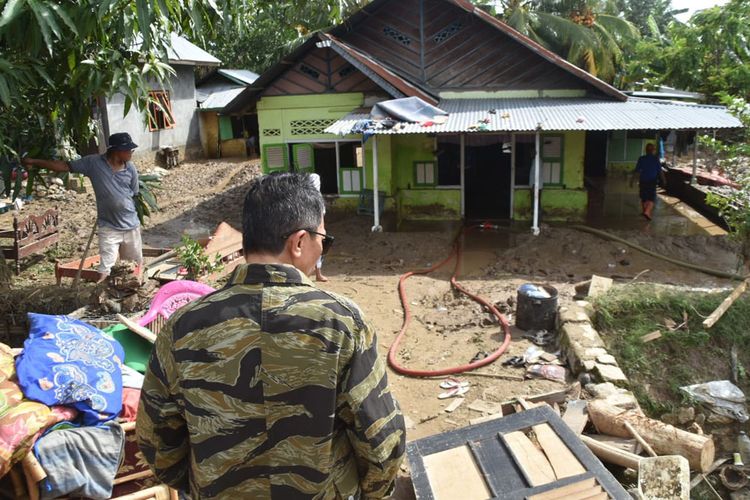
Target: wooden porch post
column 463, row 175
column 695, row 159
column 376, row 228
column 537, row 161
column 512, row 173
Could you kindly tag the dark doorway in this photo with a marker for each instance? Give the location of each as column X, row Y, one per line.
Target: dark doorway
column 325, row 167
column 595, row 158
column 488, row 165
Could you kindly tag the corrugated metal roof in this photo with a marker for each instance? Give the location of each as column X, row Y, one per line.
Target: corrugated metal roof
column 183, row 51
column 241, row 76
column 526, row 115
column 217, row 101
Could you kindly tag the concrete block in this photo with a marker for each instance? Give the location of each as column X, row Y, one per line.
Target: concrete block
column 610, row 373
column 606, row 359
column 582, row 333
column 587, row 307
column 664, row 478
column 573, row 314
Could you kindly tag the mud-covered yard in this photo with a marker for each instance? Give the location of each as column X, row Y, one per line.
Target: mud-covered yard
column 447, row 328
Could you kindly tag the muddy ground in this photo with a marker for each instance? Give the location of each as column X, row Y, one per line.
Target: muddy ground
column 447, row 329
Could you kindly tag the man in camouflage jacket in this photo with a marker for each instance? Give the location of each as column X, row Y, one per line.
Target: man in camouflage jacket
column 271, row 387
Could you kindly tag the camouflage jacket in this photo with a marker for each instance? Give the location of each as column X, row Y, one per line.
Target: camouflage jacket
column 270, row 388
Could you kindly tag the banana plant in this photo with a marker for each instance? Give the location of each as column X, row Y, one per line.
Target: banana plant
column 145, row 200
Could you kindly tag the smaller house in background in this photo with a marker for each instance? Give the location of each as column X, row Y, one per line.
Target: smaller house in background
column 222, row 135
column 175, row 122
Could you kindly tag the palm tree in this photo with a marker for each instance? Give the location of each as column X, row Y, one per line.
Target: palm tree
column 578, row 30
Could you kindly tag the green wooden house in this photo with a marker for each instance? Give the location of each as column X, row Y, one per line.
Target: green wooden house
column 524, row 126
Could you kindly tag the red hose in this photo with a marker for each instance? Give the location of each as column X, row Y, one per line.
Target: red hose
column 455, row 252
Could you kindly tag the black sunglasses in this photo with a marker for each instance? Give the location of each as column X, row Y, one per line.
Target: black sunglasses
column 327, row 239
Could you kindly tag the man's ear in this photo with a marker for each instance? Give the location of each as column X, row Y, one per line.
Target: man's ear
column 295, row 243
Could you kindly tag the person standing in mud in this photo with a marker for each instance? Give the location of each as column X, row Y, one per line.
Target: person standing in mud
column 272, row 387
column 115, row 181
column 648, row 168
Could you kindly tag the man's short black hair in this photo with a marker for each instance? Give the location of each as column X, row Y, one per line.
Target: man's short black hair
column 277, row 205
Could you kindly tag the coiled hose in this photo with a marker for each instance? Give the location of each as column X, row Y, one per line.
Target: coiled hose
column 456, row 252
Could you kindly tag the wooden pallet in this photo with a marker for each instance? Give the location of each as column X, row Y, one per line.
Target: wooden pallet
column 530, row 455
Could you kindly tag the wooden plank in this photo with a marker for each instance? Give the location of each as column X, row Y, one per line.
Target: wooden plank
column 454, row 474
column 594, row 496
column 576, row 416
column 629, row 445
column 651, row 336
column 725, row 305
column 529, row 458
column 454, row 405
column 563, row 462
column 569, row 489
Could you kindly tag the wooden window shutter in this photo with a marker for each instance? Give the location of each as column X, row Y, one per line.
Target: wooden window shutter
column 275, row 157
column 304, row 157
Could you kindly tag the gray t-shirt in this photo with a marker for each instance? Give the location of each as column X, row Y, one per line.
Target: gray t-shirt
column 114, row 191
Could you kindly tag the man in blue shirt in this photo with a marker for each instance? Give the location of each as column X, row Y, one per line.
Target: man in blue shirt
column 649, row 170
column 115, row 182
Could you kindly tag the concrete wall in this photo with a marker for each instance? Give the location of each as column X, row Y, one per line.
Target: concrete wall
column 186, row 133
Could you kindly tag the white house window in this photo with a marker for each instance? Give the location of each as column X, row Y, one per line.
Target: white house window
column 160, row 114
column 552, row 159
column 424, row 174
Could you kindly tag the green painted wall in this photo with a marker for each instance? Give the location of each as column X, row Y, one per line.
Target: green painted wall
column 623, row 152
column 574, row 149
column 429, row 204
column 556, row 204
column 276, row 114
column 385, row 163
column 406, row 150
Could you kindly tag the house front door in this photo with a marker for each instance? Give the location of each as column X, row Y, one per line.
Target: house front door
column 488, row 169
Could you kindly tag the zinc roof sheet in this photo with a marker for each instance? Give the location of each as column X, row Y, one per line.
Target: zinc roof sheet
column 219, row 99
column 524, row 115
column 241, row 76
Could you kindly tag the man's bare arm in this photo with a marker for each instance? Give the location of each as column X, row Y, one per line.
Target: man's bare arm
column 54, row 165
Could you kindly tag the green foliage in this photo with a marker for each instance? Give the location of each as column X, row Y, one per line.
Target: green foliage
column 686, row 355
column 711, row 54
column 734, row 161
column 260, row 32
column 59, row 58
column 14, row 187
column 582, row 31
column 145, row 200
column 194, row 258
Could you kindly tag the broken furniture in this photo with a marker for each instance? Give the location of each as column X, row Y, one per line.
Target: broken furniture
column 30, row 236
column 168, row 299
column 90, row 271
column 129, row 481
column 498, row 459
column 226, row 241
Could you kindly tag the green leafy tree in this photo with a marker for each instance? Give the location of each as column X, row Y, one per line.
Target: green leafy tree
column 734, row 160
column 58, row 57
column 711, row 53
column 260, row 32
